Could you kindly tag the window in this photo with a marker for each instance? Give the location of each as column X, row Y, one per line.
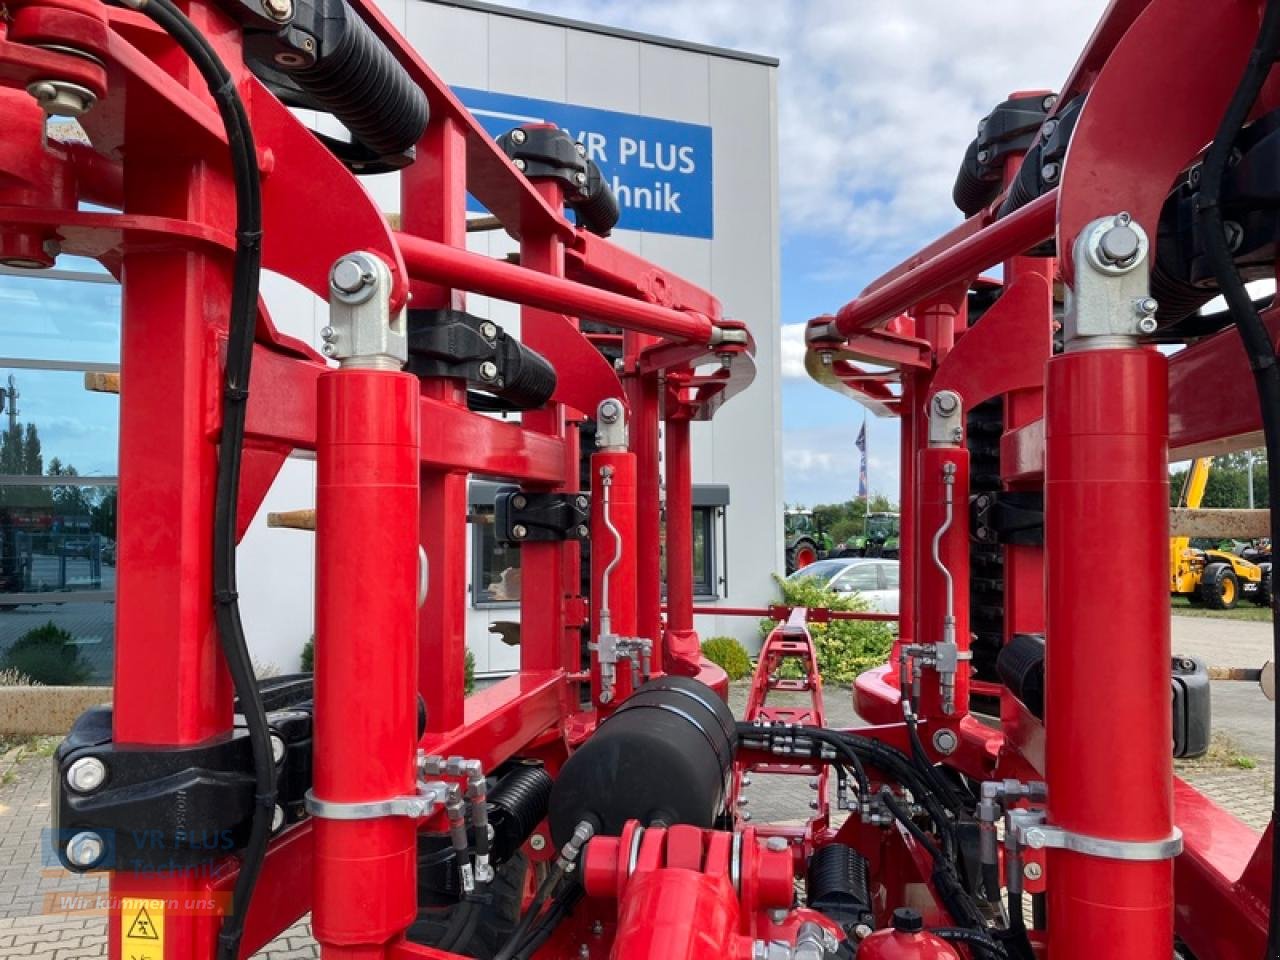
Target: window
column 495, row 567
column 859, row 578
column 704, row 551
column 58, row 450
column 890, row 571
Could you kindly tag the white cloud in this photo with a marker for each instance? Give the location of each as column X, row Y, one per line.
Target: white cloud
column 793, row 348
column 878, row 98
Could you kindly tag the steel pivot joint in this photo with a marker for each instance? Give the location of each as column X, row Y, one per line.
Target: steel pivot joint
column 1110, row 304
column 362, row 332
column 946, row 419
column 611, row 425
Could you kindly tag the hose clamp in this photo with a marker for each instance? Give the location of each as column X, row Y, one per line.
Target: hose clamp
column 1043, row 836
column 429, row 798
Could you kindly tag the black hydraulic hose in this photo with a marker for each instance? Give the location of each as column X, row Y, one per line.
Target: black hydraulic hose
column 242, row 324
column 972, row 938
column 561, row 907
column 1257, row 345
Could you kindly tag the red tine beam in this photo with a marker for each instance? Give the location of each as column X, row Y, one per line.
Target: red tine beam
column 1003, row 239
column 441, row 263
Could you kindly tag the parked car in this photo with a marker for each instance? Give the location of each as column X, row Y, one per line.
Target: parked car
column 874, row 579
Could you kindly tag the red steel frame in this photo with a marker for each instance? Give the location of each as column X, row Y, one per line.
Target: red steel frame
column 1082, row 426
column 1093, row 430
column 405, row 454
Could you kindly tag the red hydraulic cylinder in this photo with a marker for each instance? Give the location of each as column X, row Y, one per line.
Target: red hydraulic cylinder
column 613, row 558
column 682, row 654
column 366, row 655
column 1108, row 757
column 677, row 915
column 942, row 474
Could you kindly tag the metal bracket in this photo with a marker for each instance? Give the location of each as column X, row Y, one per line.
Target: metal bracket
column 1110, row 304
column 1040, row 835
column 362, row 332
column 521, row 517
column 1008, row 517
column 429, row 798
column 946, row 419
column 611, row 425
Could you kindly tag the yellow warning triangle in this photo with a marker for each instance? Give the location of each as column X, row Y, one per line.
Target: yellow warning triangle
column 142, row 928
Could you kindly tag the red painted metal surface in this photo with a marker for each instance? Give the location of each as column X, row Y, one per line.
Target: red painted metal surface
column 681, row 652
column 1105, row 437
column 366, row 586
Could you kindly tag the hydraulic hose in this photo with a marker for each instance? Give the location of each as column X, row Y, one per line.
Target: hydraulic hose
column 1257, row 346
column 235, row 393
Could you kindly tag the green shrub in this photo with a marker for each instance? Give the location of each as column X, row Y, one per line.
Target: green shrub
column 48, row 656
column 308, row 659
column 729, row 655
column 845, row 648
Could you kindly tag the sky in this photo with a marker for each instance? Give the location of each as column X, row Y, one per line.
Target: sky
column 877, row 101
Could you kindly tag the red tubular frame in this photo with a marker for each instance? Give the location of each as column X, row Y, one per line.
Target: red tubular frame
column 171, row 246
column 1100, row 455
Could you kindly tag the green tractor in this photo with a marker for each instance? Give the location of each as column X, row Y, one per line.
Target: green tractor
column 807, row 542
column 879, row 537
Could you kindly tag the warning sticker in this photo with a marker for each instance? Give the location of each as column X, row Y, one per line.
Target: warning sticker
column 141, row 929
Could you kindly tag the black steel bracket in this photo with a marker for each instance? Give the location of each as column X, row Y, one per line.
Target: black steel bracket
column 522, row 517
column 160, row 809
column 543, row 152
column 1012, row 518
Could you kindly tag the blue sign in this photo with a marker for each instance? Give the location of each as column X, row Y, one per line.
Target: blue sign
column 660, row 170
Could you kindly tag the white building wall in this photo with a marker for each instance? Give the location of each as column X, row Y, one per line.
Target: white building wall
column 742, row 446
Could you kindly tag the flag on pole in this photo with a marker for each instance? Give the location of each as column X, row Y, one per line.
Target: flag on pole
column 861, row 444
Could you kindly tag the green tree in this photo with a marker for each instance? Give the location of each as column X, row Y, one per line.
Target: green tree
column 32, row 458
column 1228, row 483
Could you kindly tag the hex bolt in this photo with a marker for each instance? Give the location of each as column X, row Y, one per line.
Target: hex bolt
column 582, row 530
column 582, row 502
column 1032, row 871
column 519, row 531
column 984, row 156
column 350, row 276
column 580, row 179
column 1046, row 130
column 278, row 10
column 945, row 402
column 519, row 501
column 1049, row 172
column 778, row 916
column 826, row 357
column 945, row 742
column 1050, row 101
column 1119, row 244
column 518, row 136
column 518, row 163
column 488, row 330
column 86, row 775
column 85, row 849
column 538, row 842
column 581, row 148
column 610, row 411
column 861, row 931
column 328, row 334
column 278, row 748
column 488, row 370
column 776, row 844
